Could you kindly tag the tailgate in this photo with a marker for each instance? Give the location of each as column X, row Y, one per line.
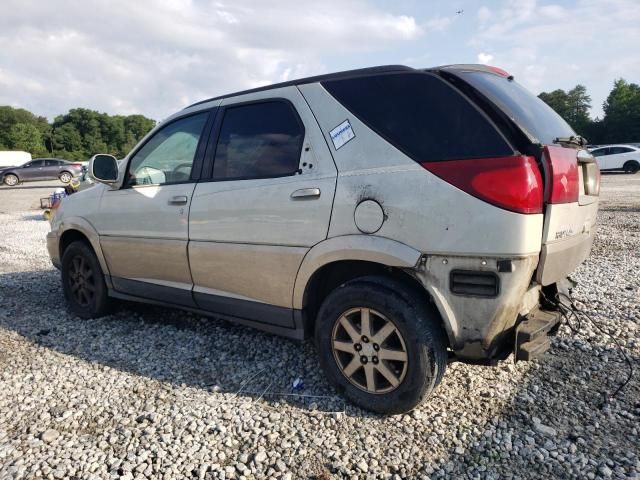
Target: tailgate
column 570, row 212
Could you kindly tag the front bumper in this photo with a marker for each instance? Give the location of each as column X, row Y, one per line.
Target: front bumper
column 53, row 246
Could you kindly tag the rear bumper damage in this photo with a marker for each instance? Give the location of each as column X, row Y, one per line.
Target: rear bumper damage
column 532, row 334
column 481, row 300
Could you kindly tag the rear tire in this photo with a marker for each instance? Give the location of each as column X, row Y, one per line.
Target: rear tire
column 631, row 167
column 83, row 282
column 11, row 180
column 401, row 360
column 65, row 177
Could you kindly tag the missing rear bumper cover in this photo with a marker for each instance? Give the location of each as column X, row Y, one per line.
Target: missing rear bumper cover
column 533, row 332
column 474, row 283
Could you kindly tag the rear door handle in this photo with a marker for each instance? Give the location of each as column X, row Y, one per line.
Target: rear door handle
column 179, row 200
column 305, row 193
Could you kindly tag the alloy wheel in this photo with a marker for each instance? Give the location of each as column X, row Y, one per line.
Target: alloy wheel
column 82, row 281
column 65, row 178
column 369, row 350
column 11, row 180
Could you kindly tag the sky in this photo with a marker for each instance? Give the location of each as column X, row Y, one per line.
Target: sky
column 156, row 57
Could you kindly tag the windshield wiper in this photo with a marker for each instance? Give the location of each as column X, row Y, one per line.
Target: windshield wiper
column 572, row 140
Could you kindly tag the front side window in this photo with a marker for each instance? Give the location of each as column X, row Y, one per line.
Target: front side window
column 35, row 164
column 168, row 156
column 260, row 140
column 600, row 152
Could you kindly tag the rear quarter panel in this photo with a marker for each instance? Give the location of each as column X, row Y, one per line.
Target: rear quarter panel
column 420, row 209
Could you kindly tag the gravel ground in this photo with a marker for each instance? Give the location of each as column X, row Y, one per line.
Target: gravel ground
column 153, row 393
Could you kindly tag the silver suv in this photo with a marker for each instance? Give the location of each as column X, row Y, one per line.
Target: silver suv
column 402, row 218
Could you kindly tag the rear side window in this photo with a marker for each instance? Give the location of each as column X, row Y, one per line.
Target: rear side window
column 534, row 117
column 260, row 140
column 421, row 115
column 618, row 150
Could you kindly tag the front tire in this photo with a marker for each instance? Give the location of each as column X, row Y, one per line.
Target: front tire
column 380, row 344
column 11, row 180
column 83, row 282
column 631, row 167
column 65, row 177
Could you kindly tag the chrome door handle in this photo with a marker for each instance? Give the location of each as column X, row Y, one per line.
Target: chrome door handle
column 306, row 193
column 178, row 200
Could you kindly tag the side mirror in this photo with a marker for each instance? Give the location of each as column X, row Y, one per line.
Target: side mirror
column 104, row 168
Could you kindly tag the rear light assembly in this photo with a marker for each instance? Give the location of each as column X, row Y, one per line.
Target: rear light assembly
column 563, row 176
column 513, row 183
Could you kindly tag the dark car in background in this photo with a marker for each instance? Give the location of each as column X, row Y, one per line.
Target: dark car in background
column 41, row 169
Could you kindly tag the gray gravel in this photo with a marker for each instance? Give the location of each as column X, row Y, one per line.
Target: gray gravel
column 153, row 393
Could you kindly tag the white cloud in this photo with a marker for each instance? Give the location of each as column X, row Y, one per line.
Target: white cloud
column 484, row 14
column 548, row 46
column 484, row 58
column 154, row 57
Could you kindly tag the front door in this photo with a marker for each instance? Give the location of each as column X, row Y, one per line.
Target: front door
column 143, row 226
column 266, row 202
column 33, row 170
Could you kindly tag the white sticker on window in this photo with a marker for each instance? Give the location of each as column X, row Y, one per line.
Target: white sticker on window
column 342, row 134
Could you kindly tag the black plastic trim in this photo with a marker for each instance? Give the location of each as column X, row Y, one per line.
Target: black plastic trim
column 138, row 288
column 457, row 285
column 246, row 309
column 299, row 331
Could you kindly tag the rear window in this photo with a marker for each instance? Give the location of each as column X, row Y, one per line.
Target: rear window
column 536, row 119
column 421, row 115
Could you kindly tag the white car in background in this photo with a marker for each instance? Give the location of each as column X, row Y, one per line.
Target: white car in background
column 618, row 157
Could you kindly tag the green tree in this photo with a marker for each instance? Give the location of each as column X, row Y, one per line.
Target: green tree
column 26, row 137
column 622, row 113
column 573, row 106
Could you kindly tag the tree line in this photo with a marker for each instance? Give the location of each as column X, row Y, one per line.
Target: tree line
column 76, row 135
column 621, row 120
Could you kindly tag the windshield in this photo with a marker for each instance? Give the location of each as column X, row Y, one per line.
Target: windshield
column 537, row 119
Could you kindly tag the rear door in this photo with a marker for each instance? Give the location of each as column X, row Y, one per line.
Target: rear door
column 571, row 175
column 52, row 168
column 267, row 200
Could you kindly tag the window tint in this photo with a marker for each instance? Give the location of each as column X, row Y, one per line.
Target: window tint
column 260, row 140
column 618, row 150
column 600, row 152
column 36, row 164
column 421, row 115
column 53, row 163
column 168, row 156
column 537, row 119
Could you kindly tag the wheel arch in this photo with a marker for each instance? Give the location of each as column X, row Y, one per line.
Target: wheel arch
column 353, row 248
column 634, row 162
column 341, row 259
column 80, row 229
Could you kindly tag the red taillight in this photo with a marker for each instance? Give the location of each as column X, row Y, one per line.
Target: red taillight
column 76, row 164
column 564, row 185
column 513, row 183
